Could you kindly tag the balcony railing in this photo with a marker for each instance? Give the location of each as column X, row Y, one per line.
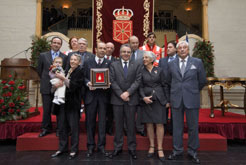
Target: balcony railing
column 160, row 23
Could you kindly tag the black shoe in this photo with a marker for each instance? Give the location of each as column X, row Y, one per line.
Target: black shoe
column 142, row 133
column 58, row 153
column 115, row 153
column 151, row 154
column 133, row 154
column 43, row 133
column 173, row 156
column 102, row 151
column 72, row 155
column 89, row 153
column 162, row 159
column 194, row 159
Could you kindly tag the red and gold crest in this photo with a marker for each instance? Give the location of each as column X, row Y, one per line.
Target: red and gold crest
column 122, row 26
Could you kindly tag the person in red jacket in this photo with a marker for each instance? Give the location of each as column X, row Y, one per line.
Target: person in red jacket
column 151, row 46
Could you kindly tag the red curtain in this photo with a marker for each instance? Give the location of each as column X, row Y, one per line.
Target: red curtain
column 104, row 28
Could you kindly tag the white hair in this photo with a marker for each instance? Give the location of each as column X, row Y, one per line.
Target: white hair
column 85, row 40
column 182, row 43
column 151, row 55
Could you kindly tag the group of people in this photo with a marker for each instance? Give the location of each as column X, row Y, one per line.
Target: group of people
column 141, row 82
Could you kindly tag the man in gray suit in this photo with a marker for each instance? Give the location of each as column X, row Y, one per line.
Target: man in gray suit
column 186, row 77
column 137, row 55
column 44, row 63
column 125, row 78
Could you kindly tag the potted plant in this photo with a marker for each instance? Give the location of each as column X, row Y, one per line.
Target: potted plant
column 14, row 103
column 39, row 45
column 205, row 51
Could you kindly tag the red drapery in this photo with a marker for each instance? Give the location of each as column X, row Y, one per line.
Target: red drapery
column 135, row 20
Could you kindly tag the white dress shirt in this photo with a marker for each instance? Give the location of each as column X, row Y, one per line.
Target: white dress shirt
column 97, row 60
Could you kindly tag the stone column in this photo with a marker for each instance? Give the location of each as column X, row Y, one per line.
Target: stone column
column 205, row 19
column 39, row 18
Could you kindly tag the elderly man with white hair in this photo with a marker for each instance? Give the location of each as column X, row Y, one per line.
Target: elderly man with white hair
column 186, row 77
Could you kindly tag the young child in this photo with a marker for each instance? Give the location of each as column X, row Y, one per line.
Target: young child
column 59, row 95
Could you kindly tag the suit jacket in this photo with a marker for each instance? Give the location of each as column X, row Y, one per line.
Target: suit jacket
column 113, row 59
column 73, row 93
column 120, row 84
column 186, row 88
column 101, row 93
column 153, row 84
column 140, row 54
column 44, row 62
column 163, row 63
column 87, row 55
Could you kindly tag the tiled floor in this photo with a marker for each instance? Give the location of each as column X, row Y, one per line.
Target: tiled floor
column 236, row 155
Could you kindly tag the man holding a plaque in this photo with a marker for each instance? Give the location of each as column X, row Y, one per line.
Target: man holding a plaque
column 96, row 98
column 125, row 78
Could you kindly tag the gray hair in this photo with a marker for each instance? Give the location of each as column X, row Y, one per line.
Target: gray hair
column 77, row 55
column 125, row 45
column 150, row 54
column 85, row 40
column 182, row 43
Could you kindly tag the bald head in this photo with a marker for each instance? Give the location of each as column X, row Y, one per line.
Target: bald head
column 109, row 48
column 134, row 42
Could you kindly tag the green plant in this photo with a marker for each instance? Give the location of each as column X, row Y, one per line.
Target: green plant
column 14, row 103
column 205, row 51
column 39, row 45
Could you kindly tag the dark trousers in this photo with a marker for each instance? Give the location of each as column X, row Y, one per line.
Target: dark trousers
column 127, row 111
column 109, row 118
column 97, row 106
column 139, row 125
column 192, row 116
column 68, row 121
column 138, row 121
column 47, row 105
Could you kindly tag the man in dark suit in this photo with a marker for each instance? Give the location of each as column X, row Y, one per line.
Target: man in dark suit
column 125, row 78
column 44, row 63
column 109, row 113
column 96, row 101
column 137, row 54
column 163, row 63
column 85, row 55
column 186, row 77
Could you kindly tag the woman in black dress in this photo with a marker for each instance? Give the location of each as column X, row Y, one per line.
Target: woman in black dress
column 69, row 113
column 154, row 100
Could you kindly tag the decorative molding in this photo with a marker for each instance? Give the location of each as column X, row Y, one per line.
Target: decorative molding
column 62, row 36
column 146, row 22
column 99, row 5
column 183, row 38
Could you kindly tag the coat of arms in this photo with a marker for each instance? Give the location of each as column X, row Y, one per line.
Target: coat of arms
column 122, row 26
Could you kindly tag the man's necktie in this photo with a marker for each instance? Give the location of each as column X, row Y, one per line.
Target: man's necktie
column 133, row 56
column 54, row 55
column 108, row 57
column 125, row 69
column 99, row 61
column 171, row 58
column 182, row 67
